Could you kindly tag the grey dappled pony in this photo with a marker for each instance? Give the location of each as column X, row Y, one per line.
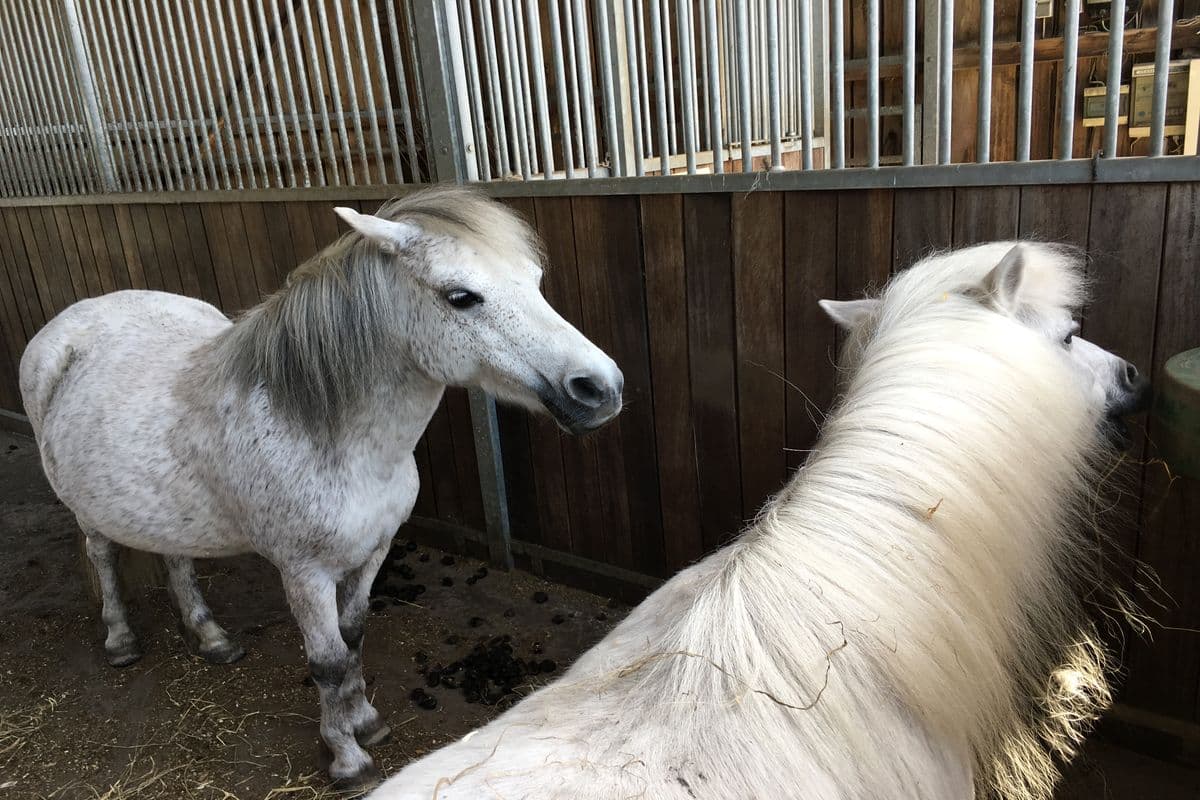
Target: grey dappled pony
column 290, row 431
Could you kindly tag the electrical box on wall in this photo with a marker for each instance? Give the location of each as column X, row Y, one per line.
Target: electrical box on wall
column 1043, row 9
column 1180, row 94
column 1094, row 99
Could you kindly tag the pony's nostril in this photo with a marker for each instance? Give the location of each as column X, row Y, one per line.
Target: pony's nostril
column 1132, row 376
column 583, row 389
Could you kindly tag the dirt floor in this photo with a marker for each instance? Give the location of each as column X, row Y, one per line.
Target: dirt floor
column 172, row 726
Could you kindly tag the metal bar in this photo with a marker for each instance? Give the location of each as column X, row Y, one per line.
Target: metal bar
column 668, row 63
column 290, row 91
column 743, row 48
column 335, row 94
column 13, row 176
column 516, row 121
column 909, row 144
column 479, row 123
column 1162, row 55
column 118, row 102
column 1066, row 130
column 314, row 59
column 526, row 93
column 268, row 48
column 225, row 96
column 560, row 84
column 410, row 140
column 773, row 82
column 873, row 83
column 688, row 67
column 204, row 106
column 351, row 89
column 49, row 76
column 946, row 79
column 90, row 97
column 491, row 479
column 701, row 57
column 495, row 97
column 240, row 58
column 614, row 132
column 688, row 86
column 38, row 106
column 306, row 98
column 983, row 124
column 455, row 77
column 656, row 34
column 806, row 83
column 186, row 99
column 148, row 55
column 573, row 76
column 65, row 97
column 837, row 46
column 132, row 87
column 418, row 94
column 24, row 148
column 368, row 88
column 585, row 86
column 716, row 139
column 1112, row 93
column 1025, row 88
column 644, row 81
column 195, row 162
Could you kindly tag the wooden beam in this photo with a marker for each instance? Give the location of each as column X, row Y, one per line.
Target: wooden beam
column 1137, row 40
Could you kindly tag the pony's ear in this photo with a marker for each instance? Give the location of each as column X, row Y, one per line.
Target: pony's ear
column 391, row 236
column 849, row 314
column 1002, row 286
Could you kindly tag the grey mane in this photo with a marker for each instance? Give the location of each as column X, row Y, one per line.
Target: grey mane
column 317, row 344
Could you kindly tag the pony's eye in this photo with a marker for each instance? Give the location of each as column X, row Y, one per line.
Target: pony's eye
column 463, row 298
column 1067, row 340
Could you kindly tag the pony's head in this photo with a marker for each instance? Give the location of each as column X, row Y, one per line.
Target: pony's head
column 1038, row 287
column 463, row 273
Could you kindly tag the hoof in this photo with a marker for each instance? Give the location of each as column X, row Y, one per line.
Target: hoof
column 225, row 653
column 373, row 733
column 123, row 656
column 366, row 778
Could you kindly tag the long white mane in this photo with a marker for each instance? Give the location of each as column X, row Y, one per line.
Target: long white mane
column 906, row 613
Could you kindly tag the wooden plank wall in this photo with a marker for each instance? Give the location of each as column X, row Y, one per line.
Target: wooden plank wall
column 708, row 303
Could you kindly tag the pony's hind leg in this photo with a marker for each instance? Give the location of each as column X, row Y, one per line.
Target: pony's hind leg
column 204, row 636
column 312, row 595
column 354, row 598
column 120, row 644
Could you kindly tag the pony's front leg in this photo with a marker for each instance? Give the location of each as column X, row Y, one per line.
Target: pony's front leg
column 204, row 636
column 355, row 590
column 312, row 595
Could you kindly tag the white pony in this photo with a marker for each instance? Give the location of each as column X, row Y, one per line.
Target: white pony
column 290, row 432
column 903, row 620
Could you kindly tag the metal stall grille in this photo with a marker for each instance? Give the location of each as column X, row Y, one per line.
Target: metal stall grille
column 194, row 95
column 104, row 96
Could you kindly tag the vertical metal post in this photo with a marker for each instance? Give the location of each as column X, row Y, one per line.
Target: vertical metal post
column 1025, row 90
column 1162, row 54
column 335, row 94
column 1066, row 124
column 773, row 113
column 631, row 99
column 873, row 83
column 716, row 137
column 568, row 16
column 946, row 80
column 314, row 61
column 931, row 81
column 495, row 96
column 908, row 144
column 290, row 91
column 512, row 89
column 541, row 98
column 743, row 54
column 689, row 88
column 983, row 130
column 479, row 122
column 517, row 28
column 118, row 102
column 445, row 92
column 805, row 34
column 208, row 116
column 1112, row 92
column 90, row 97
column 660, row 92
column 278, row 123
column 614, row 119
column 560, row 85
column 584, row 65
column 836, row 77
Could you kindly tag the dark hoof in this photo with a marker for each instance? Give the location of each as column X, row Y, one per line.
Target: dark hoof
column 366, row 778
column 227, row 653
column 123, row 656
column 374, row 733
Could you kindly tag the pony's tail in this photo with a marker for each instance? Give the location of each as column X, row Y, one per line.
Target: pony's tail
column 44, row 365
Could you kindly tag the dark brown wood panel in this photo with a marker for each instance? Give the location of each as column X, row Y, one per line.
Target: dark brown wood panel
column 249, row 292
column 58, row 224
column 985, row 214
column 810, row 274
column 458, row 407
column 259, row 249
column 304, row 236
column 110, row 231
column 1056, row 214
column 93, row 229
column 181, row 245
column 123, row 219
column 18, row 278
column 143, row 242
column 667, row 321
column 562, row 470
column 758, row 310
column 1165, row 671
column 712, row 353
column 224, row 269
column 49, row 289
column 924, row 223
column 440, row 440
column 164, row 249
column 201, row 255
column 279, row 233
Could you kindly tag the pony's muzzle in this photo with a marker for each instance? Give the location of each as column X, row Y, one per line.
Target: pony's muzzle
column 586, row 399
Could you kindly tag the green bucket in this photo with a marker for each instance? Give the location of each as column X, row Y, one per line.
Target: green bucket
column 1177, row 413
